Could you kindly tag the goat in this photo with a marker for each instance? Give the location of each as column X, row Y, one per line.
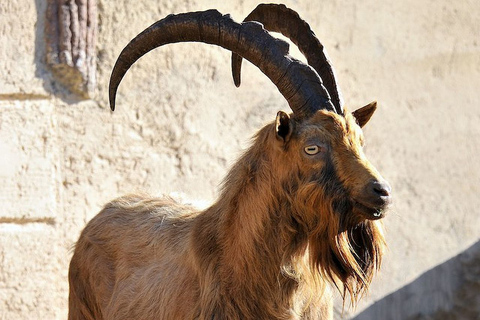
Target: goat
column 297, row 212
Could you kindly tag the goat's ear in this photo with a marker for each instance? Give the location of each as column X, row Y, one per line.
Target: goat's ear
column 283, row 126
column 363, row 114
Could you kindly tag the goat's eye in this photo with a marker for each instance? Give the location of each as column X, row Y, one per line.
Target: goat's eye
column 311, row 150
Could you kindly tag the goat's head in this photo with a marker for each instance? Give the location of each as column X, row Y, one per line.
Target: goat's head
column 326, row 149
column 337, row 195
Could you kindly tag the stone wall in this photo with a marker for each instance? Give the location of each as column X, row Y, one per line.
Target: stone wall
column 180, row 123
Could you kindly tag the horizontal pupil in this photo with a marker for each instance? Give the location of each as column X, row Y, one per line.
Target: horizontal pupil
column 311, row 149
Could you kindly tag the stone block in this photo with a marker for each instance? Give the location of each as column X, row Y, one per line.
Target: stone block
column 21, row 49
column 28, row 162
column 32, row 281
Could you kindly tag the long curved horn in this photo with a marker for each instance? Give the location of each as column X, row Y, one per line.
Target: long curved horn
column 297, row 82
column 279, row 18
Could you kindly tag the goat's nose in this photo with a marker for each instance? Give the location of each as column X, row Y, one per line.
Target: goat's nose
column 379, row 192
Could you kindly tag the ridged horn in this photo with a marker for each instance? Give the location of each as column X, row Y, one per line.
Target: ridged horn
column 297, row 82
column 279, row 18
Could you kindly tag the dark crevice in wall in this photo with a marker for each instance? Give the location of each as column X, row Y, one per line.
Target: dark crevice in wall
column 23, row 96
column 24, row 221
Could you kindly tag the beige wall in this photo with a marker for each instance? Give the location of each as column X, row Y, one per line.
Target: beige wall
column 180, row 123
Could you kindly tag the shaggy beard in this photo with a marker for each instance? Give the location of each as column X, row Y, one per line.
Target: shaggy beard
column 343, row 247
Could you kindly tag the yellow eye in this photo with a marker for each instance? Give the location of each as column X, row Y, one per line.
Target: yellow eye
column 311, row 150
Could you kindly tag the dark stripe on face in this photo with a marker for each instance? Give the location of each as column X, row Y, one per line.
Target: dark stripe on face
column 337, row 195
column 332, row 185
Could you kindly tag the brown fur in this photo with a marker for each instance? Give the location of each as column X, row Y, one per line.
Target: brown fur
column 284, row 226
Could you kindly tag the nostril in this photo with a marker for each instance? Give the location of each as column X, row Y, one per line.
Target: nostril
column 381, row 189
column 376, row 194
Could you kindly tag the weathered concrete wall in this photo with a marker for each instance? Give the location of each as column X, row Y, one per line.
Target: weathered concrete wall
column 180, row 123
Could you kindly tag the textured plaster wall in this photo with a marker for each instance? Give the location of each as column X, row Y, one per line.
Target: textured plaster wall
column 180, row 123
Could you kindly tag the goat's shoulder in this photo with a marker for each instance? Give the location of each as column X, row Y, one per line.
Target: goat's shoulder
column 137, row 220
column 142, row 208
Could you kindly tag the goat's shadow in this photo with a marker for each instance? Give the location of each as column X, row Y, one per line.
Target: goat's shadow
column 448, row 291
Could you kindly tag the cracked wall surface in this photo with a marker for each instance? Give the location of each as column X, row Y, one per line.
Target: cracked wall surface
column 180, row 123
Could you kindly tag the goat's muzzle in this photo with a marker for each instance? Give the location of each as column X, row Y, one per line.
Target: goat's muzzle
column 375, row 199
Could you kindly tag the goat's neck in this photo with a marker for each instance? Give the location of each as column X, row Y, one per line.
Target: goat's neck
column 254, row 234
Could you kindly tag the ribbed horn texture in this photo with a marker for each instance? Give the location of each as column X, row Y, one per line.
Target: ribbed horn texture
column 298, row 83
column 279, row 18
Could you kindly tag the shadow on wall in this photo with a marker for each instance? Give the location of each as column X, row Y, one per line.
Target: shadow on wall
column 447, row 292
column 39, row 55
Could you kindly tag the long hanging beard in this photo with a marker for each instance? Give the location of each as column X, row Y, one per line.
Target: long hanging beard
column 343, row 247
column 348, row 254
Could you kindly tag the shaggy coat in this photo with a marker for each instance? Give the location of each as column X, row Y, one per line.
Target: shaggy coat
column 291, row 218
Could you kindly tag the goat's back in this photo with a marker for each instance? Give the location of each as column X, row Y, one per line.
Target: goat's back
column 133, row 243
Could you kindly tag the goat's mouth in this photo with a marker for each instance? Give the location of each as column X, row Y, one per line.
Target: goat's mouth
column 369, row 212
